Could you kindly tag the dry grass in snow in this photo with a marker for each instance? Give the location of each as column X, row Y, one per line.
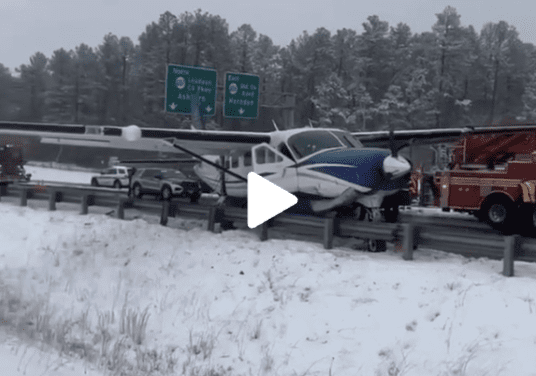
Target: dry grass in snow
column 134, row 298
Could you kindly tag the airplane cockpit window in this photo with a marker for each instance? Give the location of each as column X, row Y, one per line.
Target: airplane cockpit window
column 310, row 142
column 283, row 149
column 348, row 139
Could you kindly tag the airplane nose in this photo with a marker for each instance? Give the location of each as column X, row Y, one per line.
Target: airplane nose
column 396, row 166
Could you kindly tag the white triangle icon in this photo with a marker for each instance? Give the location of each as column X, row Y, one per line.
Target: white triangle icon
column 266, row 200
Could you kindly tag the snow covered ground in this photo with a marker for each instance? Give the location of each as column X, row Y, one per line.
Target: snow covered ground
column 50, row 174
column 95, row 295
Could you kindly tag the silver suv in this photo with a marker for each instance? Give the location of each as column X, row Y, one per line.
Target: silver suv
column 116, row 177
column 164, row 182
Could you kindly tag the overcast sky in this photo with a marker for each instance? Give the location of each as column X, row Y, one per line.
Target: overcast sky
column 28, row 26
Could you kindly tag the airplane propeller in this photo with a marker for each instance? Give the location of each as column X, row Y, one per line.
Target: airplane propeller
column 394, row 166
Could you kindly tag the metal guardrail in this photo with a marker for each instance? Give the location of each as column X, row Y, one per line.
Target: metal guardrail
column 406, row 237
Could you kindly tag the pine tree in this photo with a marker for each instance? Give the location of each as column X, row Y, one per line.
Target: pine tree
column 34, row 80
column 60, row 106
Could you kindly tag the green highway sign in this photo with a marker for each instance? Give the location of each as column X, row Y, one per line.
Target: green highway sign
column 182, row 82
column 241, row 98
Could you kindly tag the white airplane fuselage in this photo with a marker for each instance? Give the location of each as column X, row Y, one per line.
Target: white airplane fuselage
column 321, row 163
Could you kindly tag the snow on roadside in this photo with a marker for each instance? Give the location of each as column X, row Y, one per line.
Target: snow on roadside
column 53, row 174
column 237, row 306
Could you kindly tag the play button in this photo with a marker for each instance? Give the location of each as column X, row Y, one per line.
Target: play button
column 266, row 200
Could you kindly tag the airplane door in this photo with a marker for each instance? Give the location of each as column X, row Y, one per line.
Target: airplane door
column 275, row 167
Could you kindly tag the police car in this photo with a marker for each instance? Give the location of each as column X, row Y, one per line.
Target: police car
column 116, row 176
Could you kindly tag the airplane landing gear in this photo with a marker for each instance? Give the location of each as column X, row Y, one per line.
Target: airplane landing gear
column 374, row 245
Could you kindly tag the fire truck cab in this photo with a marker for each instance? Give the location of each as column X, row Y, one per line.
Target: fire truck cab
column 499, row 196
column 492, row 177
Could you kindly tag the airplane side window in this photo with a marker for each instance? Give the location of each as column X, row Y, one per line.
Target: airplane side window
column 270, row 156
column 247, row 159
column 260, row 157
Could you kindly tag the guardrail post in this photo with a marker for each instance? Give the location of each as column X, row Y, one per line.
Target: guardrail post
column 84, row 204
column 165, row 213
column 121, row 208
column 408, row 240
column 23, row 196
column 263, row 236
column 214, row 216
column 329, row 230
column 52, row 200
column 511, row 243
column 173, row 209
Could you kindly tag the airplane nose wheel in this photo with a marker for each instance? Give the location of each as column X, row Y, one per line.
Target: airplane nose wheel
column 374, row 245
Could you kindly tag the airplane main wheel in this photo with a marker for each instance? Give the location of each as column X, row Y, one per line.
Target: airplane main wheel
column 376, row 245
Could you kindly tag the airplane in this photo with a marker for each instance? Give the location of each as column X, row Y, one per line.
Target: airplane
column 358, row 174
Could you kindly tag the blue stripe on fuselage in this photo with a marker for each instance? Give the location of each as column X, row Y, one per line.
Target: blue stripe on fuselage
column 363, row 166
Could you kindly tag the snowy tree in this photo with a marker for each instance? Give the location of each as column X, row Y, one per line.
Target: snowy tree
column 497, row 40
column 331, row 101
column 244, row 40
column 86, row 76
column 34, row 79
column 9, row 95
column 59, row 102
column 529, row 99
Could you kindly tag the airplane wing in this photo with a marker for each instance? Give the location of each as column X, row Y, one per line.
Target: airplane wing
column 208, row 142
column 404, row 138
column 158, row 139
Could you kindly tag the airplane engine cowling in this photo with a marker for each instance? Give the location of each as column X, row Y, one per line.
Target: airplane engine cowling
column 131, row 133
column 396, row 166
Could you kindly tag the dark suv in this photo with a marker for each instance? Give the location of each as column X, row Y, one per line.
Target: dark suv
column 164, row 182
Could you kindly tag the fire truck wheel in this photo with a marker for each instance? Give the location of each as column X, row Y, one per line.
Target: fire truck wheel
column 527, row 216
column 498, row 212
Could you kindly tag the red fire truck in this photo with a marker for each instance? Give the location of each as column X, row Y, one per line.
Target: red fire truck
column 490, row 176
column 12, row 165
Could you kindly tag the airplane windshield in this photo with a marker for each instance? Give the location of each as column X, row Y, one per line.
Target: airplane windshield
column 348, row 139
column 306, row 143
